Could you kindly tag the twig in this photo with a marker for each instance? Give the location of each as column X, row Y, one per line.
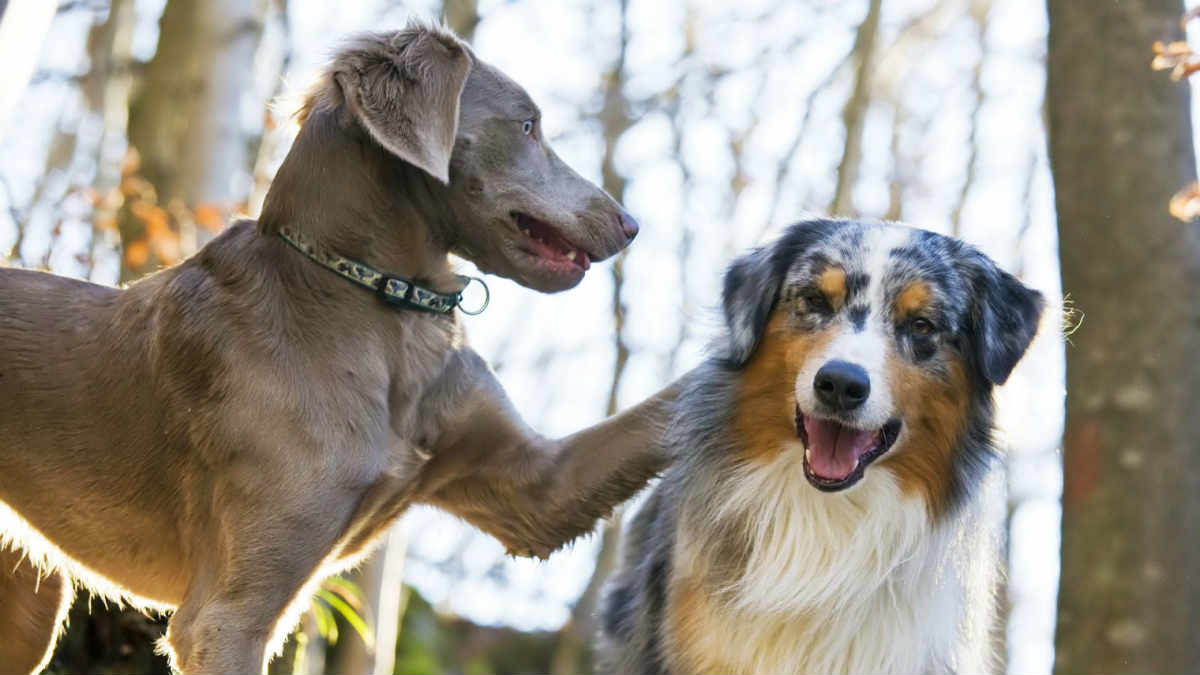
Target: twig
column 854, row 113
column 979, row 14
column 784, row 168
column 17, row 218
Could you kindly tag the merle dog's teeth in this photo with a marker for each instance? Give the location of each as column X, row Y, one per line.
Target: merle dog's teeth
column 525, row 232
column 570, row 255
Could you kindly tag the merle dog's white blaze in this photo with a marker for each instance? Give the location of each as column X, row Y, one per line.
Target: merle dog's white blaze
column 870, row 345
column 866, row 348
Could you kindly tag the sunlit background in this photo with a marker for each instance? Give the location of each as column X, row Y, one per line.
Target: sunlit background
column 718, row 123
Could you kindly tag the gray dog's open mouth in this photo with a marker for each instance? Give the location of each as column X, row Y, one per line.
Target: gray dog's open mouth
column 545, row 242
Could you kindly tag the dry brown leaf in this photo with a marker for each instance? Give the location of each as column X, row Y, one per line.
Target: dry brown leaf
column 136, row 186
column 157, row 222
column 1177, row 56
column 136, row 254
column 108, row 201
column 209, row 216
column 167, row 249
column 1185, row 204
column 131, row 162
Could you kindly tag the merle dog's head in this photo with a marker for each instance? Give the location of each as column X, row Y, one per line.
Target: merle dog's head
column 881, row 343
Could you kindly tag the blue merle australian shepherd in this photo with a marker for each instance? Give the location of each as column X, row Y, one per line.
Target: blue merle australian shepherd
column 824, row 514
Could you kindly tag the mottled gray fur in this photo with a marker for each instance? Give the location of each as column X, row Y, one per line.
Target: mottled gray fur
column 990, row 318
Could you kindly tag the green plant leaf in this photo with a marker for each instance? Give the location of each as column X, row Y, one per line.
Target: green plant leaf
column 349, row 591
column 326, row 623
column 356, row 621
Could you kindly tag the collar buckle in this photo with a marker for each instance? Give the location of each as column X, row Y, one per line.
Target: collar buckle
column 386, row 294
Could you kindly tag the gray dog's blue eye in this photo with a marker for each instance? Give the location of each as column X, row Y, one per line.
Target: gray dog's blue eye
column 527, row 127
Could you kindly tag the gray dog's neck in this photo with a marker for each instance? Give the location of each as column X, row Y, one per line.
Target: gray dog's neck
column 344, row 192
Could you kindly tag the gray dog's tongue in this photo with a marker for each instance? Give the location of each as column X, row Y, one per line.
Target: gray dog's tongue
column 834, row 450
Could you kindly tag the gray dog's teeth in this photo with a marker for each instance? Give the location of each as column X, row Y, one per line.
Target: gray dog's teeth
column 570, row 255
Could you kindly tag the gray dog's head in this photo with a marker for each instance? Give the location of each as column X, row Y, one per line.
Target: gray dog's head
column 504, row 200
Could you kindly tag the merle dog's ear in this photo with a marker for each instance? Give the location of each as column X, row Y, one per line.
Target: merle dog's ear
column 1006, row 318
column 407, row 95
column 750, row 292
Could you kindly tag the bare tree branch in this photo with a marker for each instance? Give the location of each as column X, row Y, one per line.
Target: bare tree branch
column 979, row 15
column 614, row 119
column 899, row 177
column 575, row 639
column 854, row 113
column 76, row 5
column 17, row 217
column 784, row 168
column 916, row 31
column 462, row 16
column 272, row 134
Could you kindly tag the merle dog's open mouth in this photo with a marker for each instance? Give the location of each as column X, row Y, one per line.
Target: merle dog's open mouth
column 836, row 455
column 543, row 241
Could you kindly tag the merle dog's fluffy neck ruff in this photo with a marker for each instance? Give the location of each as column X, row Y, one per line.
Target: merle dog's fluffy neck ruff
column 861, row 572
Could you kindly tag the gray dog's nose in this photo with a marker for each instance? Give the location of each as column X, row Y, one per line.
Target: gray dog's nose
column 628, row 225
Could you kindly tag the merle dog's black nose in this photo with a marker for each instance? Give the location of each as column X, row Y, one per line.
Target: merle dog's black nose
column 628, row 225
column 842, row 386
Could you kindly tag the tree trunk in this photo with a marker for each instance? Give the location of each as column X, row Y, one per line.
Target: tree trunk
column 1120, row 145
column 573, row 653
column 184, row 123
column 854, row 114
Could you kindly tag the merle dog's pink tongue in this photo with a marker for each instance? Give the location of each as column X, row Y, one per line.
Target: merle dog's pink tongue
column 835, row 449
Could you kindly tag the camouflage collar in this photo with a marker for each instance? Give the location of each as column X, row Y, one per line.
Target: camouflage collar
column 393, row 290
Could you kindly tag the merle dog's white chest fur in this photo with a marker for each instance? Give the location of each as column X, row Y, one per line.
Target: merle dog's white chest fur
column 862, row 581
column 855, row 583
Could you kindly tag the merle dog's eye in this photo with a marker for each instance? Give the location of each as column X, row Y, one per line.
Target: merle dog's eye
column 527, row 127
column 816, row 302
column 922, row 326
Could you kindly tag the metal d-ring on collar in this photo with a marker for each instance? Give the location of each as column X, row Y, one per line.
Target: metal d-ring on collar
column 393, row 290
column 487, row 296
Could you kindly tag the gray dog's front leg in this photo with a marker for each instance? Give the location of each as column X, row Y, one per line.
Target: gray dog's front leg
column 535, row 494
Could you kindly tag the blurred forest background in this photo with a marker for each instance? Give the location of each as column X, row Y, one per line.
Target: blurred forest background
column 131, row 130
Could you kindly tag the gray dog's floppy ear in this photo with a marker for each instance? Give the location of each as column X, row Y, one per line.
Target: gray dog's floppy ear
column 407, row 96
column 751, row 289
column 1006, row 319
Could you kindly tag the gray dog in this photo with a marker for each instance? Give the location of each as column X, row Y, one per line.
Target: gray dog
column 216, row 438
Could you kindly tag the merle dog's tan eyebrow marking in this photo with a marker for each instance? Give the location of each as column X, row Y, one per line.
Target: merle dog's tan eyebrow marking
column 913, row 298
column 832, row 282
